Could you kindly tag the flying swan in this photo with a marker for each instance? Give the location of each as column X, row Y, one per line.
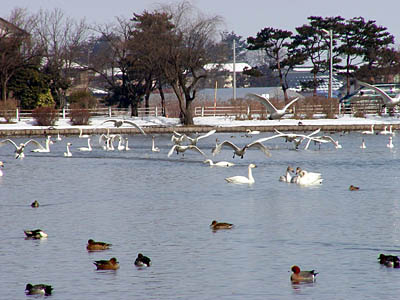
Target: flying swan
column 119, row 123
column 387, row 100
column 19, row 150
column 275, row 114
column 240, row 151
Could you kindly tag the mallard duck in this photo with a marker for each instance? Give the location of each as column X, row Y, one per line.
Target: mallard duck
column 96, row 246
column 35, row 234
column 142, row 261
column 215, row 225
column 302, row 276
column 111, row 264
column 38, row 289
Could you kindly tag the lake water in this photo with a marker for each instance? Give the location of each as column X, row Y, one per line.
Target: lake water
column 162, row 207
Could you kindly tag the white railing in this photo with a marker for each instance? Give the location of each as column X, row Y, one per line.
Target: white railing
column 64, row 113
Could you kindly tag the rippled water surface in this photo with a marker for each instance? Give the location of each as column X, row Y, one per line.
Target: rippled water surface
column 146, row 202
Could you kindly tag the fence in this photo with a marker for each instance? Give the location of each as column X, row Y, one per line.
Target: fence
column 318, row 109
column 106, row 111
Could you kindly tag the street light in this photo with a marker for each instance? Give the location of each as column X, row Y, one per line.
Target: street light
column 330, row 61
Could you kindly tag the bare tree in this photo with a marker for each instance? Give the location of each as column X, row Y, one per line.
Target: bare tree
column 186, row 53
column 61, row 38
column 17, row 49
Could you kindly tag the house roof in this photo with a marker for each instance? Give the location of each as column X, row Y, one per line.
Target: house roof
column 239, row 67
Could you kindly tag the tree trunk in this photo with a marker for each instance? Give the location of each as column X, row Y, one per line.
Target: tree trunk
column 134, row 109
column 4, row 91
column 188, row 117
column 161, row 91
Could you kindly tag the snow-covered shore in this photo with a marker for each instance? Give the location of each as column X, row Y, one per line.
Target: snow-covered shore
column 220, row 122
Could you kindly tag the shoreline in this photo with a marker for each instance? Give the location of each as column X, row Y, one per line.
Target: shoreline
column 161, row 125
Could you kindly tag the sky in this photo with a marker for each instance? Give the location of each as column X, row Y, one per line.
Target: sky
column 244, row 18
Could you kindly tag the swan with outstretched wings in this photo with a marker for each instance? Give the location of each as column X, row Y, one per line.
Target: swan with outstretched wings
column 275, row 114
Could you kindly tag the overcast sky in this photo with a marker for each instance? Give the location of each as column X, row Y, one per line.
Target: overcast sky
column 245, row 18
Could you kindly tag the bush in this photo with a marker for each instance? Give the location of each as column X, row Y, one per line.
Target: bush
column 79, row 116
column 82, row 99
column 45, row 116
column 7, row 109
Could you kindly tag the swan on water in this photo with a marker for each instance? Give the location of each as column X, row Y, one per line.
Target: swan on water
column 390, row 144
column 240, row 151
column 58, row 137
column 19, row 150
column 2, row 166
column 182, row 149
column 363, row 144
column 120, row 146
column 126, row 145
column 288, row 176
column 369, row 131
column 45, row 149
column 225, row 164
column 119, row 123
column 308, row 178
column 153, row 146
column 68, row 153
column 243, row 179
column 81, row 135
column 88, row 148
column 384, row 131
column 275, row 114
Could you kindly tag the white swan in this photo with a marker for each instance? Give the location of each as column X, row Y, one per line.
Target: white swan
column 81, row 135
column 126, row 145
column 182, row 149
column 385, row 131
column 119, row 123
column 19, row 150
column 308, row 178
column 45, row 149
column 88, row 148
column 68, row 153
column 363, row 144
column 240, row 151
column 288, row 176
column 387, row 100
column 251, row 132
column 1, row 171
column 153, row 146
column 295, row 138
column 120, row 146
column 390, row 144
column 369, row 131
column 192, row 141
column 225, row 164
column 58, row 137
column 243, row 179
column 275, row 114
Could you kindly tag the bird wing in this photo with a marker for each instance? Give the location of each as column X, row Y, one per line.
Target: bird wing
column 261, row 147
column 192, row 147
column 3, row 142
column 314, row 132
column 269, row 138
column 386, row 98
column 218, row 147
column 137, row 126
column 35, row 142
column 206, row 135
column 290, row 103
column 172, row 150
column 114, row 121
column 177, row 133
column 264, row 101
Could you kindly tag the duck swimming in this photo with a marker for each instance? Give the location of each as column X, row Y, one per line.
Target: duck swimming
column 299, row 276
column 35, row 234
column 111, row 264
column 142, row 261
column 97, row 246
column 38, row 289
column 216, row 225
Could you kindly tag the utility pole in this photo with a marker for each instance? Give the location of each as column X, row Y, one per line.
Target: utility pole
column 234, row 70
